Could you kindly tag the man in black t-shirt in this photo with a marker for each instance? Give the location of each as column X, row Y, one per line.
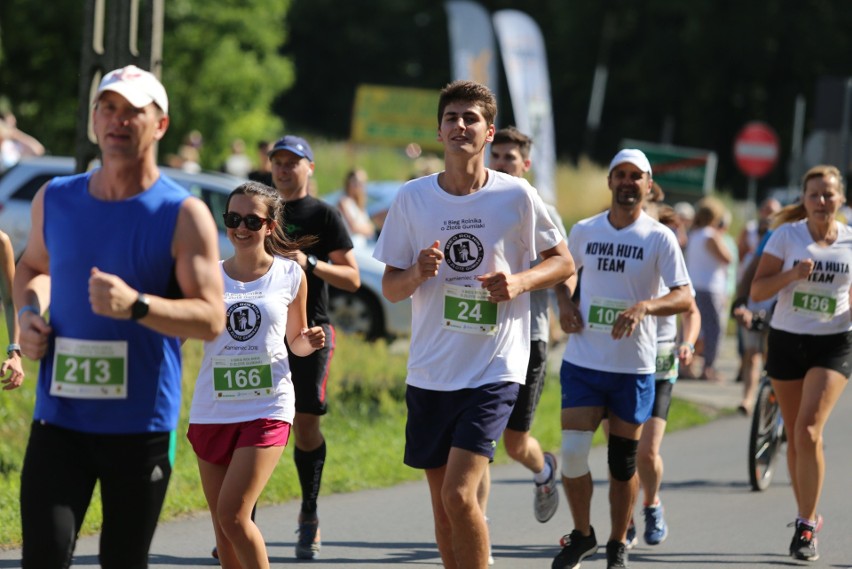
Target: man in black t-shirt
column 330, row 261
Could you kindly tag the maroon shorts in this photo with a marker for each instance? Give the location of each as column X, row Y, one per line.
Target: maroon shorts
column 217, row 442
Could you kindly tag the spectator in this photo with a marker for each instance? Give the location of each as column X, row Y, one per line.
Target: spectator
column 353, row 205
column 686, row 214
column 754, row 230
column 15, row 144
column 707, row 260
column 237, row 163
column 263, row 172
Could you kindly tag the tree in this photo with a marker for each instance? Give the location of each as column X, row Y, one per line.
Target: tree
column 221, row 69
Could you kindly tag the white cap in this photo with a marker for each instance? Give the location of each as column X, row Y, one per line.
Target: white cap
column 634, row 156
column 138, row 86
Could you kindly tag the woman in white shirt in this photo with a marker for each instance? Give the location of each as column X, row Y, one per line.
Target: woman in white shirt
column 806, row 262
column 707, row 259
column 353, row 205
column 244, row 402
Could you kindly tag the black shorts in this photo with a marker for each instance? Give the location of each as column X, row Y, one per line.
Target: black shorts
column 790, row 356
column 529, row 393
column 662, row 399
column 310, row 376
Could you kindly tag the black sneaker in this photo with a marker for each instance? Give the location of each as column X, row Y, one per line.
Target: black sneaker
column 575, row 548
column 804, row 544
column 616, row 554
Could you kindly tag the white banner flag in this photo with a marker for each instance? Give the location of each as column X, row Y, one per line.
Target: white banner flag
column 525, row 63
column 472, row 47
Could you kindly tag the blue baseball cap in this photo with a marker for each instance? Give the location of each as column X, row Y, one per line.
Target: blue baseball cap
column 295, row 144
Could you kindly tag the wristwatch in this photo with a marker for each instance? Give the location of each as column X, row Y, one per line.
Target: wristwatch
column 139, row 309
column 13, row 348
column 311, row 264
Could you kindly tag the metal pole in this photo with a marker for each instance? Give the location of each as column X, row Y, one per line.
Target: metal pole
column 795, row 168
column 751, row 199
column 844, row 128
column 115, row 33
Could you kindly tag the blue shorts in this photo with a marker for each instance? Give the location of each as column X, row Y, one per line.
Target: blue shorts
column 629, row 396
column 469, row 419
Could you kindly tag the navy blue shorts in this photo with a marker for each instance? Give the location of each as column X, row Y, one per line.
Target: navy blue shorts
column 469, row 419
column 629, row 395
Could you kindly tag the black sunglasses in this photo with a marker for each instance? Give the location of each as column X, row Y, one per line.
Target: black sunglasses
column 253, row 222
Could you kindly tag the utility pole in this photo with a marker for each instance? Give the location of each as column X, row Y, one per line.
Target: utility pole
column 115, row 33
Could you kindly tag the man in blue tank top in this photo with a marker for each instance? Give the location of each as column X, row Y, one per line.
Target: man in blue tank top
column 127, row 263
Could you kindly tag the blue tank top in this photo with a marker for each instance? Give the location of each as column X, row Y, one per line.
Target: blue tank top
column 130, row 238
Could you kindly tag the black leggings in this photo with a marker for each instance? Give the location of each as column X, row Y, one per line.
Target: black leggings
column 58, row 478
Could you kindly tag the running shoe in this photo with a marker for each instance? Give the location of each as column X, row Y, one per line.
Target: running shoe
column 575, row 548
column 656, row 530
column 804, row 544
column 308, row 545
column 616, row 554
column 547, row 494
column 632, row 538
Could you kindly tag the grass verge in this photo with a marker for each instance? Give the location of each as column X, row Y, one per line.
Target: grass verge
column 365, row 426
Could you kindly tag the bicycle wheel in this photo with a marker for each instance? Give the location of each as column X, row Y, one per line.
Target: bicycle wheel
column 767, row 432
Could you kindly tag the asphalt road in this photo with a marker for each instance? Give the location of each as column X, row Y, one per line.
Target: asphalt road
column 715, row 519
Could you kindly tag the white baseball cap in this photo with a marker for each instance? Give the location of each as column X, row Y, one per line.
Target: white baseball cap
column 634, row 156
column 138, row 86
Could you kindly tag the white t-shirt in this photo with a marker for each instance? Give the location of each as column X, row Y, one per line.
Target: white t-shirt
column 500, row 227
column 818, row 305
column 540, row 299
column 620, row 268
column 707, row 272
column 249, row 356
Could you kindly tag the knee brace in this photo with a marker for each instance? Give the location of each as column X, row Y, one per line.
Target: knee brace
column 576, row 446
column 621, row 455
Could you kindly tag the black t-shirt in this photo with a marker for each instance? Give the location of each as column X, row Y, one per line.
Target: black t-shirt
column 262, row 177
column 310, row 216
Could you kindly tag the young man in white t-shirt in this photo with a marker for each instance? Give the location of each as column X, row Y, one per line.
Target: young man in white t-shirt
column 459, row 243
column 609, row 361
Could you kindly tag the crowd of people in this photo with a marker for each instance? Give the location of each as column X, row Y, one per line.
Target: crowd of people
column 642, row 290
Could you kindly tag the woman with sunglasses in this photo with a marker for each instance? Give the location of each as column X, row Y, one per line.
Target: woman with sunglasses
column 244, row 402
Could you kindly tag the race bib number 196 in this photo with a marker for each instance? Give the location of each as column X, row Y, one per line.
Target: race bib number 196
column 467, row 309
column 814, row 302
column 89, row 369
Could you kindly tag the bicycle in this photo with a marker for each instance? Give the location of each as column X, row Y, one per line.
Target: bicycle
column 766, row 437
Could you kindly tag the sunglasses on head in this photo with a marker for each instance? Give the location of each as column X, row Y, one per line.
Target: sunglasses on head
column 253, row 222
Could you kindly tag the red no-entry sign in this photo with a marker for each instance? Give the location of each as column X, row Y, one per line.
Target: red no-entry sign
column 756, row 149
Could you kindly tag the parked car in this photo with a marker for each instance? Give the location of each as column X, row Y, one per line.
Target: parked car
column 365, row 311
column 19, row 184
